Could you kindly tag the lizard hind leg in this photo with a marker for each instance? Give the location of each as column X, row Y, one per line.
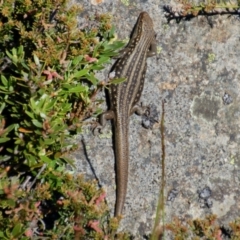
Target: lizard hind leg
column 108, row 115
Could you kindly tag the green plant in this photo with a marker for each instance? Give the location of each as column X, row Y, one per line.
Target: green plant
column 60, row 207
column 47, row 88
column 211, row 57
column 47, row 78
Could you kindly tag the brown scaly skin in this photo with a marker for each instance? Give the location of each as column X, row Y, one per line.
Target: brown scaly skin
column 132, row 65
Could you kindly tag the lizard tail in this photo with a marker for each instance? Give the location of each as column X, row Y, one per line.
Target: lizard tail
column 121, row 156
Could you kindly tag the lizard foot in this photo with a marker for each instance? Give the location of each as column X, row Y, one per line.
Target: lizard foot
column 150, row 117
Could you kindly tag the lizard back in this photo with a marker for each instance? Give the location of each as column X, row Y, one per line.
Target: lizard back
column 131, row 65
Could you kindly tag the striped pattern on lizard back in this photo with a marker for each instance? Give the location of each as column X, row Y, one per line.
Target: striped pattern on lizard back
column 124, row 96
column 132, row 65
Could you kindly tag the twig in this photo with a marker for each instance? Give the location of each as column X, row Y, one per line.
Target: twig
column 6, row 62
column 188, row 13
column 24, row 184
column 40, row 171
column 158, row 231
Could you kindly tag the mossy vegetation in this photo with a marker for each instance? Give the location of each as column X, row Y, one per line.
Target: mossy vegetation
column 49, row 53
column 187, row 9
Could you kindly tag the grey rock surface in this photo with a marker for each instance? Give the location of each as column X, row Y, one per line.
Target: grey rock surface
column 197, row 73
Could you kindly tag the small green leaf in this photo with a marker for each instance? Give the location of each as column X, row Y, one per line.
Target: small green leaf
column 38, row 132
column 37, row 166
column 30, row 114
column 77, row 89
column 45, row 159
column 43, row 115
column 66, row 86
column 103, row 60
column 9, row 54
column 9, row 102
column 20, row 50
column 25, row 66
column 9, row 128
column 111, row 49
column 92, row 79
column 4, row 158
column 118, row 80
column 17, row 230
column 49, row 141
column 11, row 203
column 3, row 105
column 37, row 123
column 10, row 150
column 42, row 152
column 28, row 124
column 50, row 104
column 18, row 141
column 14, row 51
column 4, row 81
column 5, row 139
column 118, row 44
column 2, row 236
column 32, row 103
column 31, row 160
column 36, row 60
column 77, row 60
column 111, row 32
column 3, row 90
column 96, row 48
column 80, row 73
column 96, row 67
column 69, row 161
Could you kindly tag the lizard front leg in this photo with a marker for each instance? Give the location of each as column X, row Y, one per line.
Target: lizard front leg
column 140, row 110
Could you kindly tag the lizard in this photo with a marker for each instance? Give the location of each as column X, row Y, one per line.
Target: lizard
column 124, row 97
